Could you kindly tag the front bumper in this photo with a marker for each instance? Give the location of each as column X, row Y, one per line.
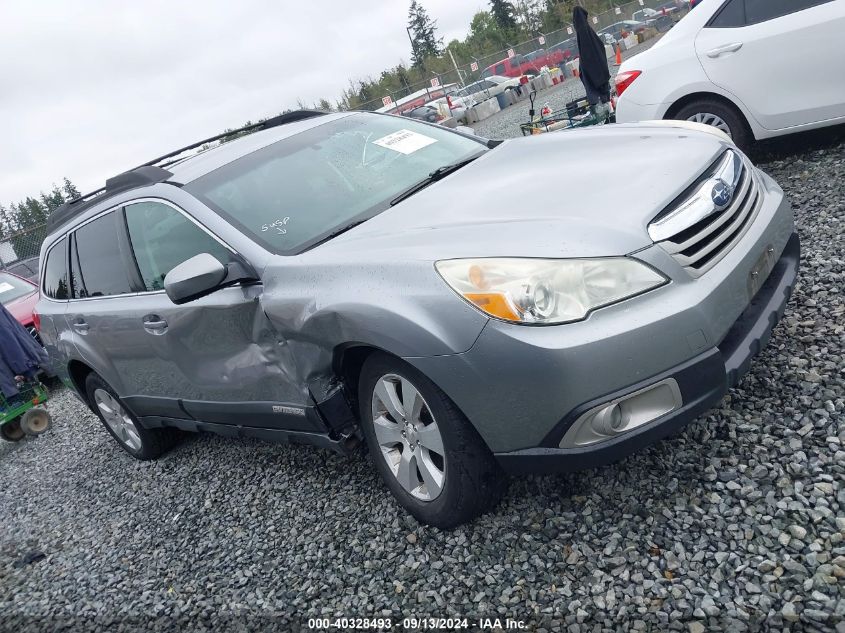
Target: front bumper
column 703, row 382
column 520, row 385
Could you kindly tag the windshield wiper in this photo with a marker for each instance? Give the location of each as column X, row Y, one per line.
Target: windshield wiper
column 336, row 232
column 437, row 174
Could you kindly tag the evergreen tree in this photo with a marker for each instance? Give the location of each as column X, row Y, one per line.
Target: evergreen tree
column 503, row 14
column 69, row 189
column 424, row 41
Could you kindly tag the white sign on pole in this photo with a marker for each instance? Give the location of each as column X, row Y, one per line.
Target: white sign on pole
column 595, row 20
column 511, row 53
column 642, row 3
column 541, row 39
column 474, row 67
column 386, row 101
column 435, row 82
column 569, row 30
column 618, row 11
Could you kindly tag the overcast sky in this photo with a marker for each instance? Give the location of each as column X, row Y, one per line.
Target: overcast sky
column 88, row 89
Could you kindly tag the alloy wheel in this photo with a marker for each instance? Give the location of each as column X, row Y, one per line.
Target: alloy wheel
column 409, row 437
column 713, row 120
column 118, row 420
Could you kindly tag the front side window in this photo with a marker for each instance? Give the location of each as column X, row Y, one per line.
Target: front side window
column 12, row 288
column 500, row 69
column 101, row 266
column 55, row 272
column 162, row 238
column 300, row 190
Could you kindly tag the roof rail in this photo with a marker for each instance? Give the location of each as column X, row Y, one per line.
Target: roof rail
column 281, row 119
column 150, row 173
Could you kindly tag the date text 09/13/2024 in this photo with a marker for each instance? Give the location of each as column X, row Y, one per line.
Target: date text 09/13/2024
column 417, row 624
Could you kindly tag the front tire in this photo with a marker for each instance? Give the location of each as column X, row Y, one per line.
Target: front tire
column 143, row 444
column 719, row 115
column 426, row 451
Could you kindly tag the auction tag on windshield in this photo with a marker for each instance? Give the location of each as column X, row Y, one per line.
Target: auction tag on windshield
column 6, row 287
column 405, row 141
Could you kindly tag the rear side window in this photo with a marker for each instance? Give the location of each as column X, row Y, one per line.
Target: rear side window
column 101, row 266
column 737, row 13
column 162, row 238
column 762, row 10
column 55, row 272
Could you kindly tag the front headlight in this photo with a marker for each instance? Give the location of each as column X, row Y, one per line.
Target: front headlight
column 547, row 291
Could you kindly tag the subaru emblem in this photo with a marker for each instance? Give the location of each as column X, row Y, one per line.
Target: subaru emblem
column 722, row 194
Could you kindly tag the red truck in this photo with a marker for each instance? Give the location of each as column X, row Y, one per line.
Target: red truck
column 531, row 63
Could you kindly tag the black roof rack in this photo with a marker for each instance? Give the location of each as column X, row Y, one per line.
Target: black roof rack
column 150, row 172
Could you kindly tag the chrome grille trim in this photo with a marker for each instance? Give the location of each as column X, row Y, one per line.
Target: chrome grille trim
column 699, row 244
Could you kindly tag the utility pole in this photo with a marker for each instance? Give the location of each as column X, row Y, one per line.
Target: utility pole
column 457, row 70
column 411, row 40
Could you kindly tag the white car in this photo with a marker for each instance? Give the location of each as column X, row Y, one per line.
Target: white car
column 483, row 89
column 754, row 69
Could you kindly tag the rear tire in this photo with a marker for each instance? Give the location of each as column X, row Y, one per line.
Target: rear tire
column 719, row 115
column 11, row 431
column 143, row 444
column 450, row 475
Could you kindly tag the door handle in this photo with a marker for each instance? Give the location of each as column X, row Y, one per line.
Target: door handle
column 721, row 50
column 154, row 324
column 80, row 325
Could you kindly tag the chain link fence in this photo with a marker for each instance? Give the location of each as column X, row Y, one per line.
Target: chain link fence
column 540, row 48
column 19, row 251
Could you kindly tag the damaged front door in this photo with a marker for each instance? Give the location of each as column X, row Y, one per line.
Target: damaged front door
column 216, row 359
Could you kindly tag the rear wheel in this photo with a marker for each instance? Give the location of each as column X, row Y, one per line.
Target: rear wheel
column 719, row 115
column 426, row 451
column 141, row 443
column 11, row 431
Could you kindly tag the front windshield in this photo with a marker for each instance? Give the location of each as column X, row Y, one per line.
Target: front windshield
column 292, row 194
column 12, row 288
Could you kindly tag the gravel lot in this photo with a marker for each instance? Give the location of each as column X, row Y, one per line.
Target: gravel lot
column 738, row 523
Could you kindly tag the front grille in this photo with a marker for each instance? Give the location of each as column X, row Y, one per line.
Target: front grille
column 704, row 243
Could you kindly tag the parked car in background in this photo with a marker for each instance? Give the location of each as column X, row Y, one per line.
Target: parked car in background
column 333, row 277
column 644, row 15
column 619, row 30
column 483, row 89
column 654, row 19
column 568, row 49
column 515, row 66
column 427, row 113
column 19, row 296
column 26, row 268
column 724, row 65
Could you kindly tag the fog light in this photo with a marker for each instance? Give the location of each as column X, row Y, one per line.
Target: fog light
column 608, row 421
column 622, row 415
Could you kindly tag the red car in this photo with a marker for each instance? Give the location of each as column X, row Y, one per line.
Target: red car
column 519, row 65
column 19, row 296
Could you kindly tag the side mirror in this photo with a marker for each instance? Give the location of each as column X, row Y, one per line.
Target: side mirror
column 197, row 277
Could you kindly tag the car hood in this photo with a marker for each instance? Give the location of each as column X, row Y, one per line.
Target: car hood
column 578, row 193
column 22, row 307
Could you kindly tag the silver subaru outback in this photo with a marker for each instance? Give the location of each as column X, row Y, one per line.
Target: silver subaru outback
column 335, row 278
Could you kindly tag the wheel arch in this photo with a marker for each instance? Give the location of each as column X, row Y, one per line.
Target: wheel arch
column 79, row 372
column 692, row 97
